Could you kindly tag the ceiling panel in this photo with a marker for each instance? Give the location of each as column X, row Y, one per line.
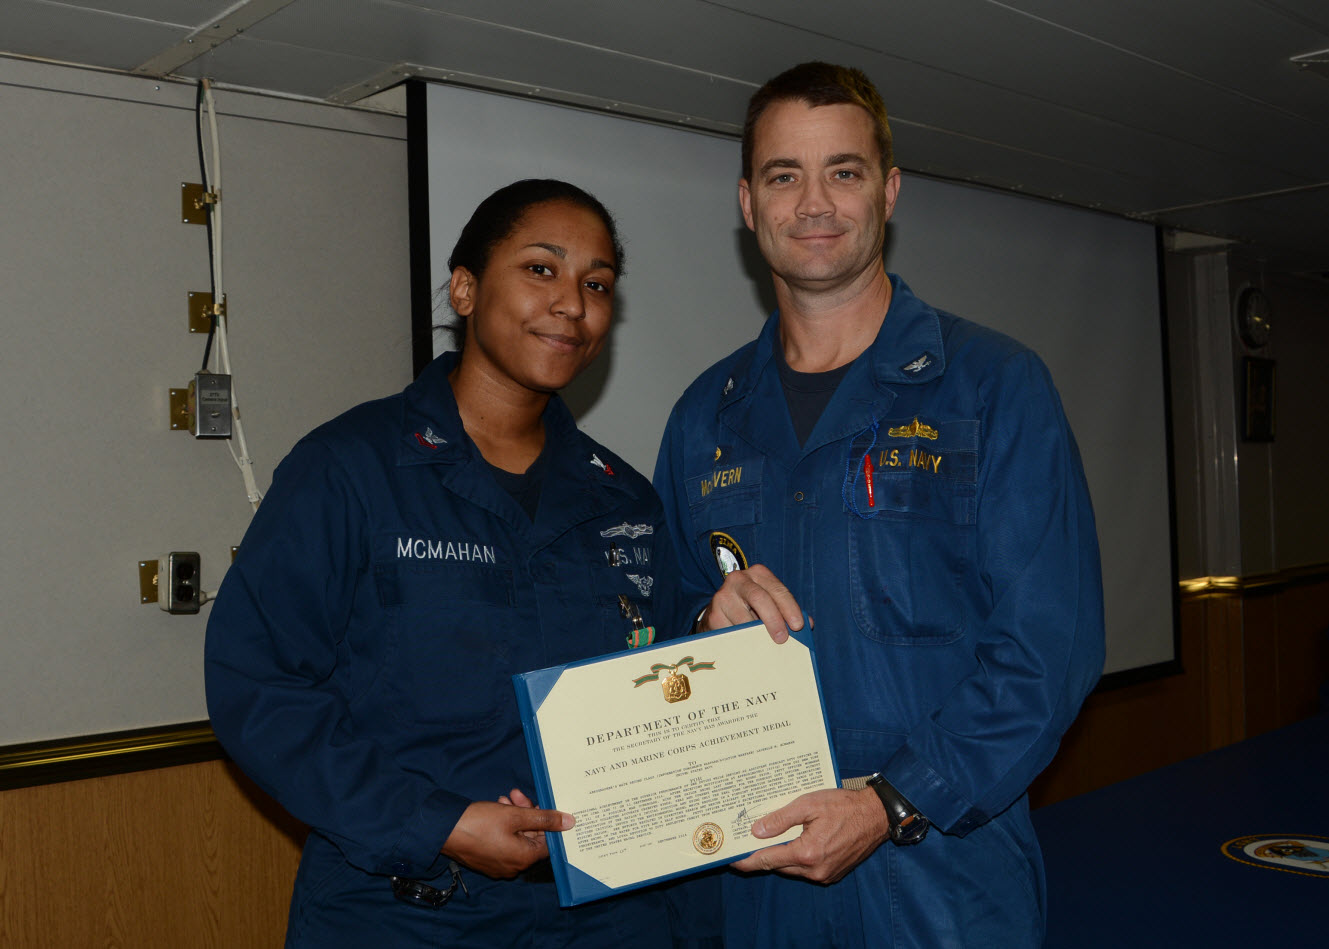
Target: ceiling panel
column 72, row 35
column 694, row 34
column 191, row 15
column 1046, row 62
column 295, row 70
column 1159, row 164
column 507, row 42
column 1310, row 12
column 1287, row 228
column 1144, row 108
column 1239, row 45
column 407, row 34
column 1131, row 190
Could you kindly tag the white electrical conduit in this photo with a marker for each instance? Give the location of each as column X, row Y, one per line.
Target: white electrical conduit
column 212, row 185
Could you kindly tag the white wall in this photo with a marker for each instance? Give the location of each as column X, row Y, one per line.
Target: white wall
column 685, row 300
column 1079, row 287
column 95, row 267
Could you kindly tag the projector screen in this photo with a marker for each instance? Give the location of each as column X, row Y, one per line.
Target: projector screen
column 1081, row 288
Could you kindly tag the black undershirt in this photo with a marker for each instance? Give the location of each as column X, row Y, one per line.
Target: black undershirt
column 807, row 393
column 525, row 487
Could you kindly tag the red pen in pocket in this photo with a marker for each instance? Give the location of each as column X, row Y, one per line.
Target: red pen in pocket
column 867, row 474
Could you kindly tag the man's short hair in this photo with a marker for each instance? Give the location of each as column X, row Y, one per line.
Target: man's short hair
column 818, row 84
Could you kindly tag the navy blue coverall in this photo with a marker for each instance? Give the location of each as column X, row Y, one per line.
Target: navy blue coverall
column 958, row 608
column 359, row 657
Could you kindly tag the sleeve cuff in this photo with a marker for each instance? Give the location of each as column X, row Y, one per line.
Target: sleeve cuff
column 929, row 792
column 417, row 853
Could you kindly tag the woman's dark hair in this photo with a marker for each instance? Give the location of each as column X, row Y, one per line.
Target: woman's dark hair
column 498, row 215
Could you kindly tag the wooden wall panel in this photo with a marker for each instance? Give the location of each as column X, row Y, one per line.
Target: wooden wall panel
column 1303, row 649
column 196, row 856
column 1133, row 729
column 1224, row 674
column 1261, row 661
column 1250, row 663
column 191, row 856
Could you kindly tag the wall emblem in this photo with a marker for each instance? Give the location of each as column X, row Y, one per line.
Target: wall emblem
column 1306, row 854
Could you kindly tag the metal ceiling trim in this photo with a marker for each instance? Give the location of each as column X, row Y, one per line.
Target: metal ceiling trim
column 631, row 110
column 1316, row 62
column 1239, row 198
column 208, row 38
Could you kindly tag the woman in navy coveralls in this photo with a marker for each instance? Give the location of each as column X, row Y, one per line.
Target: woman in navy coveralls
column 410, row 557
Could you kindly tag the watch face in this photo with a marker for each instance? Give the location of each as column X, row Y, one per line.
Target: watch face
column 911, row 830
column 1253, row 321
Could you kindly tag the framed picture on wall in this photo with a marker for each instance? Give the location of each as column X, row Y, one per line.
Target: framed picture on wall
column 1258, row 399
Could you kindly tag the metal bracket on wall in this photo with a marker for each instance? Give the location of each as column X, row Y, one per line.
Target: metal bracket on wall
column 182, row 413
column 203, row 409
column 201, row 309
column 194, row 203
column 172, row 582
column 147, row 581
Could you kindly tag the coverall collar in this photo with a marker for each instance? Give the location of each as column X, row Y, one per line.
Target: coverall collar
column 908, row 350
column 584, row 478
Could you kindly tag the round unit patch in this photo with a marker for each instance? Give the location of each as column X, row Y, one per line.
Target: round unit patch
column 728, row 555
column 1303, row 853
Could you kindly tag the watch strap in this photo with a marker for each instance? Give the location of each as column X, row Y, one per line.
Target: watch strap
column 907, row 824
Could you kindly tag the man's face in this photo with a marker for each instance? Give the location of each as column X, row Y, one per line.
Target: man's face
column 818, row 200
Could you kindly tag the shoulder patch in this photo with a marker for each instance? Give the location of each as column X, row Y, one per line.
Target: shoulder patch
column 728, row 555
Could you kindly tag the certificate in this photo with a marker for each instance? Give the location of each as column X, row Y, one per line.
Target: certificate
column 667, row 754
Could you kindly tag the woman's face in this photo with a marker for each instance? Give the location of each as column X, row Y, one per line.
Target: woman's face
column 541, row 312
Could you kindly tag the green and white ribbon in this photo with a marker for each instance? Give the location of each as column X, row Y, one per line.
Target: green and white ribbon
column 659, row 667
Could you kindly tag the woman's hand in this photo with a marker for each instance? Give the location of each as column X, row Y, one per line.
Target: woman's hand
column 501, row 839
column 517, row 797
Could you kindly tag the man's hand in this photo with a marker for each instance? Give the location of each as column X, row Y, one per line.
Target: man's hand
column 840, row 829
column 500, row 840
column 750, row 594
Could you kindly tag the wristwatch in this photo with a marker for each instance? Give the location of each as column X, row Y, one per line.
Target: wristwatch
column 908, row 826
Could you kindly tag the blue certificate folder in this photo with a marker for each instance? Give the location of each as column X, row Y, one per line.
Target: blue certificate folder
column 667, row 753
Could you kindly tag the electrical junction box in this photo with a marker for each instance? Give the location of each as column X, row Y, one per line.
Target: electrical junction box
column 176, row 585
column 210, row 405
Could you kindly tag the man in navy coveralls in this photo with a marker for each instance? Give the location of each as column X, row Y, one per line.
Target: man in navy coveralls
column 908, row 478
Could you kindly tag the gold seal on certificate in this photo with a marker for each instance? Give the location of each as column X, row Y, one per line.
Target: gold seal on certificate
column 708, row 838
column 664, row 782
column 676, row 687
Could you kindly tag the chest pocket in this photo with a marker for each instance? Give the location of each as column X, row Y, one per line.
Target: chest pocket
column 622, row 562
column 451, row 653
column 911, row 543
column 725, row 504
